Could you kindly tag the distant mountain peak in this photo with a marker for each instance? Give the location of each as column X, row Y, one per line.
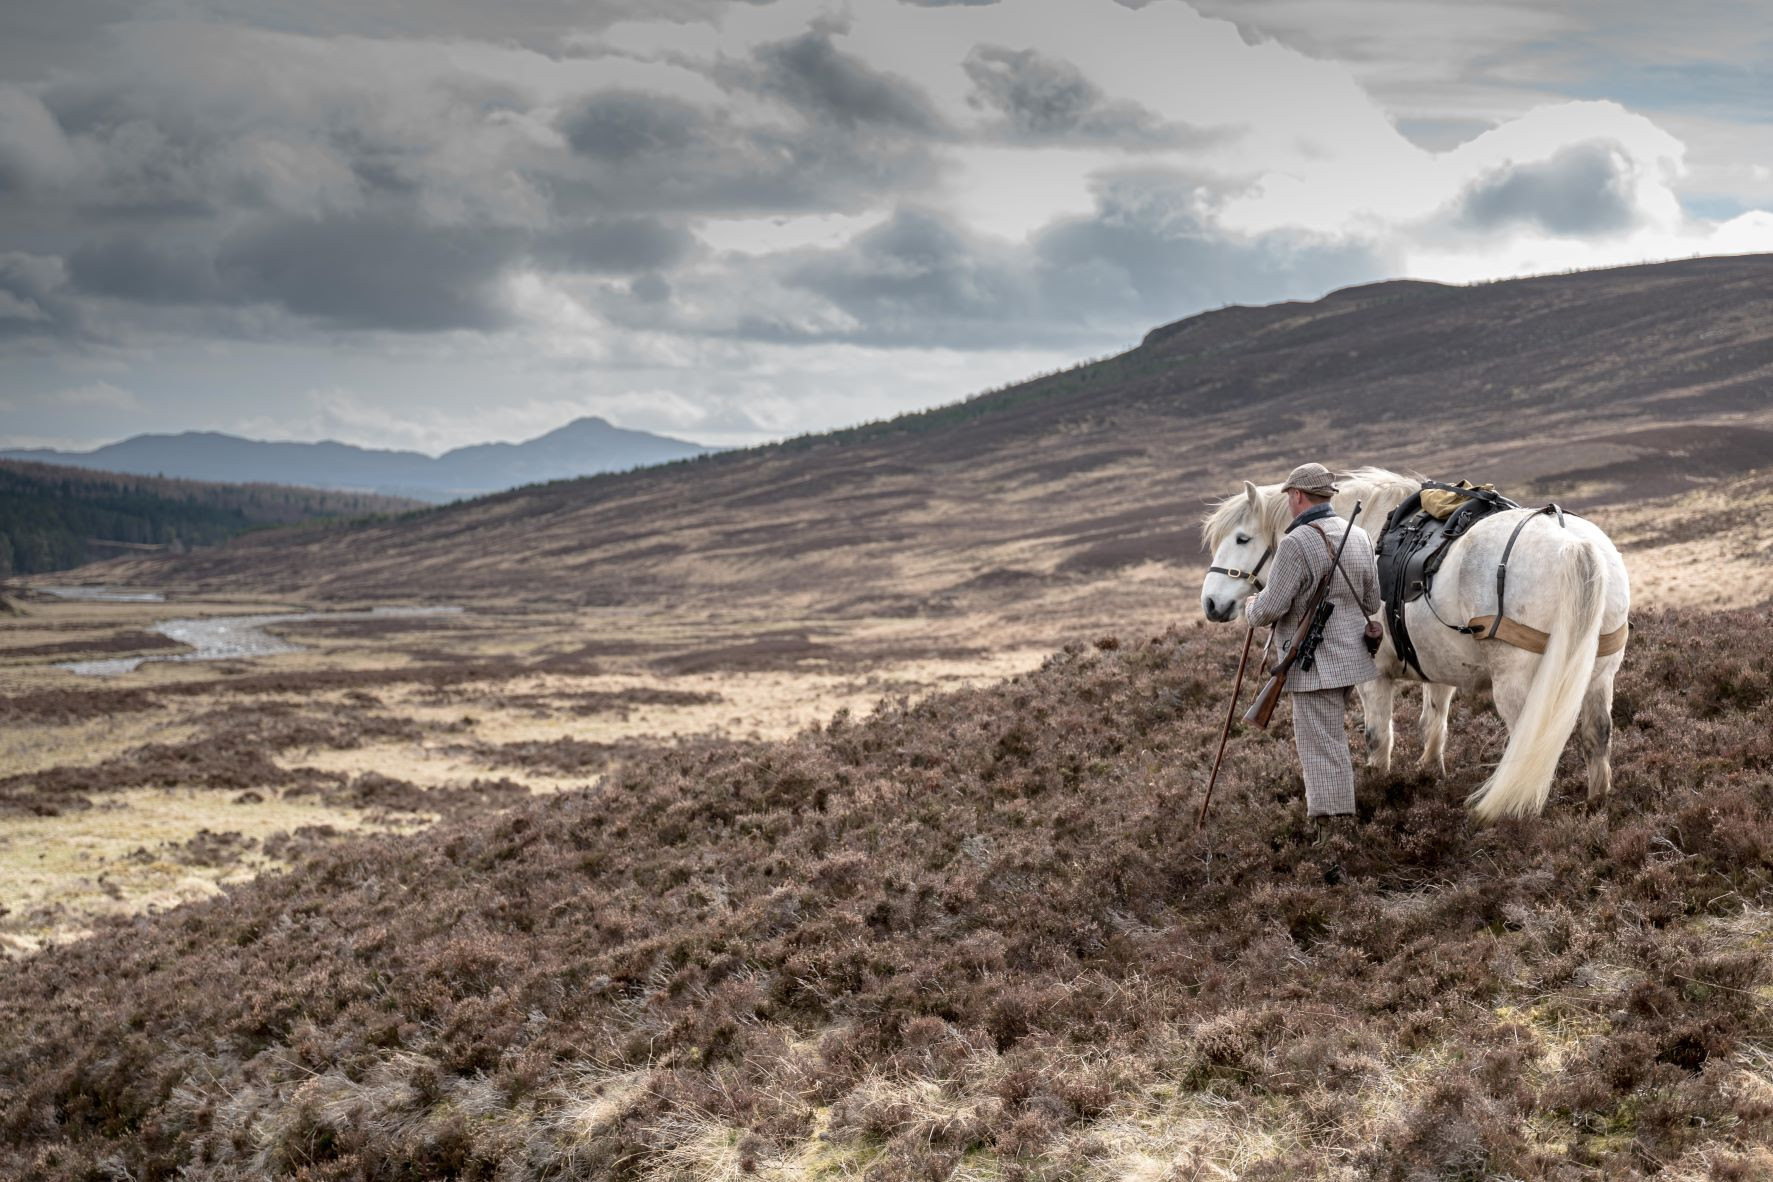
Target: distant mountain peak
column 584, row 447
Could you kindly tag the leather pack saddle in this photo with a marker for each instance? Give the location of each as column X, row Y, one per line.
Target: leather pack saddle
column 1412, row 548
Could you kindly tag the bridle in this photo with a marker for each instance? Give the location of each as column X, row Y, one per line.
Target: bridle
column 1251, row 574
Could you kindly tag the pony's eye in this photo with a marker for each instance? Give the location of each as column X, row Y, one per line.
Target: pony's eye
column 1243, row 539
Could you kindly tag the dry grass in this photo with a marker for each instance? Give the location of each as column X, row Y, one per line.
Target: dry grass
column 133, row 855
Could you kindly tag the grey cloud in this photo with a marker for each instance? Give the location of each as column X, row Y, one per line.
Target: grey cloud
column 1146, row 255
column 949, row 3
column 919, row 277
column 620, row 125
column 1583, row 190
column 615, row 245
column 206, row 122
column 651, row 288
column 211, row 169
column 34, row 298
column 1043, row 99
column 1142, row 257
column 136, row 268
column 373, row 272
column 812, row 75
column 645, row 153
column 40, row 36
column 34, row 154
column 37, row 39
column 146, row 151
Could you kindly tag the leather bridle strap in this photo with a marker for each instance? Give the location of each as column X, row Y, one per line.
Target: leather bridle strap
column 1233, row 572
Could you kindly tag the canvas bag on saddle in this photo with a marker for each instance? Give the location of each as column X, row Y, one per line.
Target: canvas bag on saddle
column 1440, row 500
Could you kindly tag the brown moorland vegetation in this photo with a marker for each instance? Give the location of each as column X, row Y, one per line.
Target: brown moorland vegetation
column 970, row 937
column 106, row 783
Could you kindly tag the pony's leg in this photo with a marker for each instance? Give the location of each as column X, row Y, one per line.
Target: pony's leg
column 1595, row 735
column 1437, row 700
column 1376, row 699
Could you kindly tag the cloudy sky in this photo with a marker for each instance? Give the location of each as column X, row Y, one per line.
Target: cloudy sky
column 424, row 223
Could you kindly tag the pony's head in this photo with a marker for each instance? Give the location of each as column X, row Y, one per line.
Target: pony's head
column 1242, row 532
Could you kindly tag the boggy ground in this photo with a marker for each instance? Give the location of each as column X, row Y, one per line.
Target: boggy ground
column 971, row 937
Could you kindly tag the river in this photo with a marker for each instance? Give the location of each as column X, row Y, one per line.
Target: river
column 221, row 638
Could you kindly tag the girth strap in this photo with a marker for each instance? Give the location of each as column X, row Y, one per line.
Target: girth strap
column 1519, row 635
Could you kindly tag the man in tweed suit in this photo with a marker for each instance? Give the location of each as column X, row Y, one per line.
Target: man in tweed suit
column 1320, row 694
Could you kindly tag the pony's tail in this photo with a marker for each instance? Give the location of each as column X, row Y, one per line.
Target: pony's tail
column 1521, row 782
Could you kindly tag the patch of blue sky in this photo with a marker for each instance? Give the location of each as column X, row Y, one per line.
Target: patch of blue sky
column 1738, row 94
column 1713, row 207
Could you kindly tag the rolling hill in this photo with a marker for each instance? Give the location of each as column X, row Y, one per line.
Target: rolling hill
column 582, row 447
column 1607, row 389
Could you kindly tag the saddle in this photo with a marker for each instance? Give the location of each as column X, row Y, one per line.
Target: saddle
column 1415, row 543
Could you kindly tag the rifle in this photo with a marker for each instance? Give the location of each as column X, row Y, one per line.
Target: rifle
column 1262, row 709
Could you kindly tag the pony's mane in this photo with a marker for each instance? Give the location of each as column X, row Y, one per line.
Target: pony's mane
column 1227, row 515
column 1380, row 490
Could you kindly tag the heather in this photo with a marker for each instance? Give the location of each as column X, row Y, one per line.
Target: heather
column 974, row 936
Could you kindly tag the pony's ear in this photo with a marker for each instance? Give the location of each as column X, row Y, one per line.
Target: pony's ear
column 1254, row 496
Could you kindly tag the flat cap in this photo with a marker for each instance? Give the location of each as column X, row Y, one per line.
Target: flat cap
column 1311, row 478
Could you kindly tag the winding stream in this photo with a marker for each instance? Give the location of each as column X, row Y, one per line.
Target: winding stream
column 104, row 595
column 221, row 638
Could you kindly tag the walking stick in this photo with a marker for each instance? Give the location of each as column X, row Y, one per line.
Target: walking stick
column 1231, row 713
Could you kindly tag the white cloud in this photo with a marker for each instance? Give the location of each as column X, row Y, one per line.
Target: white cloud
column 77, row 403
column 100, row 396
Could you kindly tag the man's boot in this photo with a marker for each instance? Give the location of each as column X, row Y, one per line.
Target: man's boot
column 1334, row 837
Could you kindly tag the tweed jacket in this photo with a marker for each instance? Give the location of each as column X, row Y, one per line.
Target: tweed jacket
column 1299, row 562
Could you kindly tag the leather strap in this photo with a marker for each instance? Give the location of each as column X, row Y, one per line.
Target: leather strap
column 1349, row 583
column 1233, row 572
column 1519, row 635
column 1502, row 567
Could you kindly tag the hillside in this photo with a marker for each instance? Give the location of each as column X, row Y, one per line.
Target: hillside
column 971, row 938
column 580, row 448
column 1608, row 389
column 54, row 518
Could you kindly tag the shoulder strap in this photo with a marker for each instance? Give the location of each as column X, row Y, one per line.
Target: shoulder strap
column 1331, row 551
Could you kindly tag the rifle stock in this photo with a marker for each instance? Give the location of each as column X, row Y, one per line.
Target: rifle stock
column 1261, row 711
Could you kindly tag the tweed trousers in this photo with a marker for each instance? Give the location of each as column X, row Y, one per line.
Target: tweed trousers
column 1320, row 733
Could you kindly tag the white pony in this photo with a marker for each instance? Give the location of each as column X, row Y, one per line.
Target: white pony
column 1567, row 594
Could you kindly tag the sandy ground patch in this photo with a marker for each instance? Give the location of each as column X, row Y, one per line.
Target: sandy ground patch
column 38, row 747
column 123, row 856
